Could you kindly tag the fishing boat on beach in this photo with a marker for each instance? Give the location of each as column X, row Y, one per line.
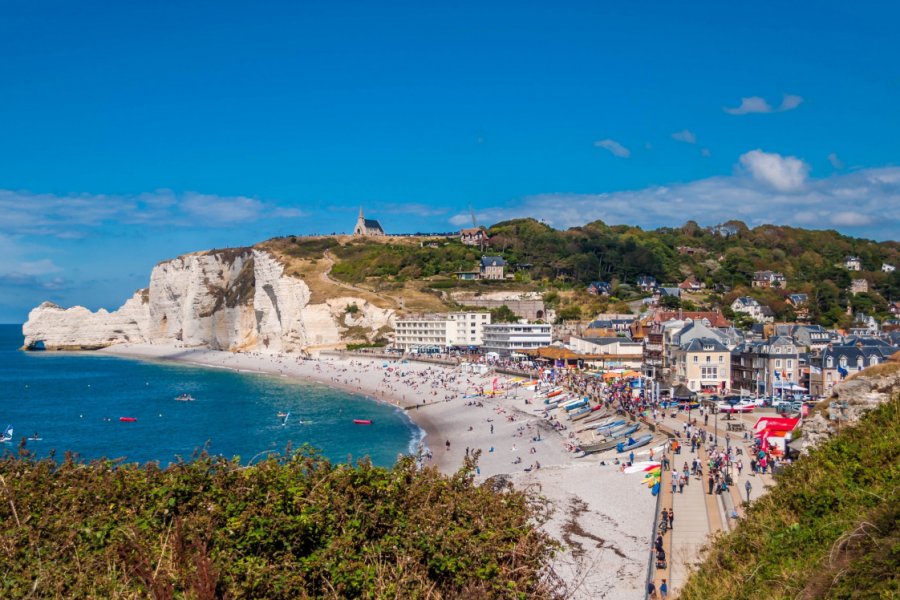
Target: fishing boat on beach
column 632, row 444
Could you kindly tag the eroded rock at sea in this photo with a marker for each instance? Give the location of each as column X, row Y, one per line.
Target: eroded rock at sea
column 236, row 299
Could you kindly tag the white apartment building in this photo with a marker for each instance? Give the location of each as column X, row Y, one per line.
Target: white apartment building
column 442, row 331
column 506, row 338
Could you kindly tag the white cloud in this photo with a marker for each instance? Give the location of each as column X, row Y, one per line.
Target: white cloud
column 73, row 215
column 790, row 102
column 757, row 104
column 685, row 135
column 821, row 203
column 613, row 146
column 836, row 162
column 784, row 173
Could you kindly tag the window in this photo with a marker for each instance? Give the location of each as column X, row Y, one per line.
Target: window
column 721, row 359
column 778, row 364
column 696, row 359
column 829, row 362
column 844, row 361
column 708, row 359
column 790, row 363
column 709, row 372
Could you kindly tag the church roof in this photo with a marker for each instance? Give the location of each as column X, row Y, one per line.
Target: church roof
column 372, row 224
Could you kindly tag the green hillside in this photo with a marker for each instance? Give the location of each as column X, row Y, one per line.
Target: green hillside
column 542, row 258
column 828, row 529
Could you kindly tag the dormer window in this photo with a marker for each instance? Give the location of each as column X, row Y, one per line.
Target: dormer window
column 844, row 361
column 829, row 362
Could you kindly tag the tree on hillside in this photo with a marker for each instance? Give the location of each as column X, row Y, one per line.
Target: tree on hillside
column 503, row 314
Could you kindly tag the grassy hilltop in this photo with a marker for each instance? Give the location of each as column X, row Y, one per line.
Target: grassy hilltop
column 828, row 529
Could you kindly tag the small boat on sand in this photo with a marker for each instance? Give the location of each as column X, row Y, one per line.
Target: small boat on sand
column 362, row 421
column 632, row 444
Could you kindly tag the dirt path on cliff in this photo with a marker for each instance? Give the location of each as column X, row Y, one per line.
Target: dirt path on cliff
column 325, row 276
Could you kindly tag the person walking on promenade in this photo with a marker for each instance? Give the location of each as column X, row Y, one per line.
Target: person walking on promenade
column 651, row 590
column 664, row 589
column 740, row 465
column 671, row 519
column 711, row 481
column 674, row 481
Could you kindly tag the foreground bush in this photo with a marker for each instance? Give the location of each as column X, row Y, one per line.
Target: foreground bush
column 296, row 527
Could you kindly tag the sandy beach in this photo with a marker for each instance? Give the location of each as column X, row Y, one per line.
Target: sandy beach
column 602, row 516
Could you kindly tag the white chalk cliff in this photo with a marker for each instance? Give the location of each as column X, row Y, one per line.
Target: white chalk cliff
column 238, row 299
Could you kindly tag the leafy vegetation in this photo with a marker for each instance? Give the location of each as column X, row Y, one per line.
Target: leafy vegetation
column 827, row 530
column 289, row 527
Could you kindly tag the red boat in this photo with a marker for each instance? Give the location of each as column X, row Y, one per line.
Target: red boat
column 128, row 419
column 362, row 421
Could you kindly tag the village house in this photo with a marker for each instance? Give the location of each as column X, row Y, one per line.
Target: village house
column 703, row 365
column 599, row 288
column 852, row 263
column 766, row 367
column 750, row 307
column 837, row 362
column 859, row 286
column 492, row 267
column 691, row 284
column 474, row 236
column 800, row 304
column 888, row 268
column 767, row 279
column 647, row 283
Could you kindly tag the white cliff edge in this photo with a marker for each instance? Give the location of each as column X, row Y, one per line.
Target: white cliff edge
column 233, row 300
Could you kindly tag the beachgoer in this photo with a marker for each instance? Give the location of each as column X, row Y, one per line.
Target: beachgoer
column 671, row 519
column 664, row 589
column 448, row 445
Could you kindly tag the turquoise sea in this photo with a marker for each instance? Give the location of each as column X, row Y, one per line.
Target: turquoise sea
column 74, row 400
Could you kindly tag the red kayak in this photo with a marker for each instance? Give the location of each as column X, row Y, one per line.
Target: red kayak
column 362, row 421
column 128, row 419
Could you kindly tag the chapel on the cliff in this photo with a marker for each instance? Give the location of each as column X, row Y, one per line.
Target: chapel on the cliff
column 366, row 226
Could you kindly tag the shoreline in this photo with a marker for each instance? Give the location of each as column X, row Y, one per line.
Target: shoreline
column 592, row 499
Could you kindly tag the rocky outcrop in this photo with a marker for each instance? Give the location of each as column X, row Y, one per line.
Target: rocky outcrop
column 236, row 299
column 850, row 401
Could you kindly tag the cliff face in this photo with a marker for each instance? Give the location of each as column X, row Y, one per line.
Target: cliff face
column 238, row 299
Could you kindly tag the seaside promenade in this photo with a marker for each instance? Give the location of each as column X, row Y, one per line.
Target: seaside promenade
column 699, row 515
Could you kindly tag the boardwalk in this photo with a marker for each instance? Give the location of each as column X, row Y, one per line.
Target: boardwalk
column 698, row 513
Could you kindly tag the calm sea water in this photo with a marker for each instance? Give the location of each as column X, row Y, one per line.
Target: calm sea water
column 74, row 400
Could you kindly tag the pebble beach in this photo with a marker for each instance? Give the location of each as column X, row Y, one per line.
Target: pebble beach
column 602, row 517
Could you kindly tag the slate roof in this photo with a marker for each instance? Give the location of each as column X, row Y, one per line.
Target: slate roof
column 492, row 261
column 699, row 344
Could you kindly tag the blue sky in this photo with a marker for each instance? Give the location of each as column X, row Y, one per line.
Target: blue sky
column 132, row 132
